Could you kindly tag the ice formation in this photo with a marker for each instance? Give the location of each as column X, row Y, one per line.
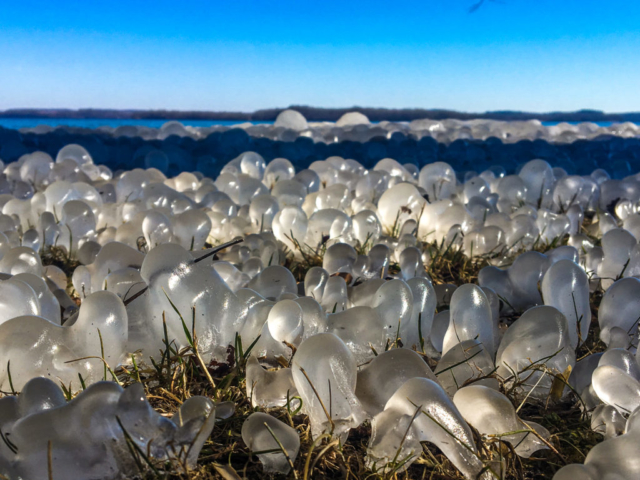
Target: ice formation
column 87, row 437
column 262, row 432
column 329, row 278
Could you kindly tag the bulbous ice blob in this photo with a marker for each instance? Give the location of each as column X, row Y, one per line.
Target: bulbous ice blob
column 615, row 458
column 617, row 388
column 622, row 359
column 78, row 221
column 617, row 245
column 619, row 307
column 177, row 283
column 360, row 295
column 438, row 330
column 492, row 413
column 285, row 322
column 524, row 274
column 252, row 164
column 99, row 453
column 112, row 257
column 361, row 329
column 411, row 263
column 417, row 412
column 538, row 178
column 339, row 258
column 490, row 239
column 17, row 298
column 366, row 227
column 512, row 190
column 335, row 297
column 274, row 281
column 418, row 330
column 195, row 420
column 60, row 192
column 380, row 257
column 607, row 421
column 313, row 317
column 88, row 252
column 191, row 229
column 262, row 211
column 315, row 281
column 35, row 346
column 309, row 179
column 157, row 229
column 278, row 169
column 74, row 152
column 290, row 227
column 258, row 432
column 566, row 287
column 21, row 260
column 352, row 118
column 471, row 318
column 540, row 337
column 268, row 388
column 399, row 204
column 39, row 394
column 439, row 181
column 385, row 374
column 324, row 372
column 467, row 362
column 581, row 375
column 394, row 304
column 49, row 305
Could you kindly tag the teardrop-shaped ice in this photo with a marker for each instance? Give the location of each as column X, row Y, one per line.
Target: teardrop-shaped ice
column 385, row 374
column 267, row 388
column 262, row 432
column 285, row 322
column 465, row 363
column 622, row 359
column 471, row 318
column 421, row 411
column 339, row 258
column 17, row 298
column 540, row 337
column 620, row 307
column 398, row 204
column 617, row 388
column 177, row 286
column 324, row 372
column 607, row 421
column 36, row 346
column 566, row 287
column 394, row 304
column 492, row 413
column 418, row 330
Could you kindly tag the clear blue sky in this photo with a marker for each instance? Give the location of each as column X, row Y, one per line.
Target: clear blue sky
column 536, row 55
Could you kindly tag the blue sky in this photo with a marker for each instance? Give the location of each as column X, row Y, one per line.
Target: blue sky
column 536, row 55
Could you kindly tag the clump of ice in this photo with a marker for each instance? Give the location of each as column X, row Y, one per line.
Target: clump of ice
column 49, row 436
column 329, row 280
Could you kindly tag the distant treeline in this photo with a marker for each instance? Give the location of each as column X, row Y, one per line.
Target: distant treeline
column 322, row 114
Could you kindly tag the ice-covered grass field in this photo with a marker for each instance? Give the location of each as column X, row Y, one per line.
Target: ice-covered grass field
column 432, row 300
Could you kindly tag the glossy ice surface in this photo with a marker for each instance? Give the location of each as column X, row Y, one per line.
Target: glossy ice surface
column 340, row 279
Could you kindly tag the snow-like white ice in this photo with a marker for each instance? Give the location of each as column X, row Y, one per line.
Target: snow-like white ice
column 357, row 330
